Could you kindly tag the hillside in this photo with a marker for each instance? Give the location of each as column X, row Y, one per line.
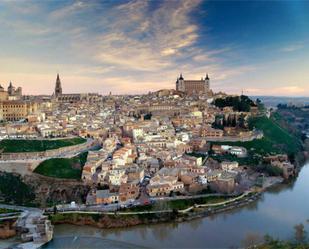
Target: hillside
column 66, row 168
column 276, row 140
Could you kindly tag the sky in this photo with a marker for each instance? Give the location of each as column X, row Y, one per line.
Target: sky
column 125, row 47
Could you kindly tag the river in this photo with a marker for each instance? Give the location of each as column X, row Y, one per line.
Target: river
column 275, row 213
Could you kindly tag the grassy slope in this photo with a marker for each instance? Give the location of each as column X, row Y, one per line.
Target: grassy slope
column 67, row 168
column 13, row 145
column 178, row 204
column 7, row 211
column 275, row 140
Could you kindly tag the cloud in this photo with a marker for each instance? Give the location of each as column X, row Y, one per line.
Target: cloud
column 292, row 47
column 151, row 39
column 292, row 90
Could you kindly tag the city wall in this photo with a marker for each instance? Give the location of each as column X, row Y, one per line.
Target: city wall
column 48, row 153
column 234, row 138
column 22, row 168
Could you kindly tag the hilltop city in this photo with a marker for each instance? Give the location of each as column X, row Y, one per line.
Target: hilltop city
column 165, row 151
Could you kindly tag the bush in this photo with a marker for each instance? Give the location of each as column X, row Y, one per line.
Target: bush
column 14, row 190
column 239, row 103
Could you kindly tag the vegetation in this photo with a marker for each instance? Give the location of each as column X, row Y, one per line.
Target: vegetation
column 7, row 211
column 67, row 168
column 275, row 136
column 269, row 169
column 275, row 140
column 250, row 160
column 299, row 242
column 13, row 145
column 14, row 190
column 108, row 220
column 261, row 106
column 231, row 120
column 178, row 204
column 183, row 204
column 239, row 103
column 294, row 119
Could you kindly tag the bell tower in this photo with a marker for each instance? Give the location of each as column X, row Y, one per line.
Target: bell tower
column 181, row 83
column 58, row 88
column 207, row 84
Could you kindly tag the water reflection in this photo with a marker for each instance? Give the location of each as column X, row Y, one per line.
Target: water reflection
column 87, row 243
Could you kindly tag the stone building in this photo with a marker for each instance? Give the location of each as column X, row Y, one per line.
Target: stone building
column 12, row 93
column 73, row 97
column 12, row 107
column 193, row 87
column 14, row 110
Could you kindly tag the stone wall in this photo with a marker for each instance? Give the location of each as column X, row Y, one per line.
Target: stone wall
column 22, row 168
column 48, row 153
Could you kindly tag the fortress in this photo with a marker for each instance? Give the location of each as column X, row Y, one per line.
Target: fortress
column 193, row 87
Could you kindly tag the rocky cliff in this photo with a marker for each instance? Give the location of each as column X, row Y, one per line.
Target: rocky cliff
column 50, row 191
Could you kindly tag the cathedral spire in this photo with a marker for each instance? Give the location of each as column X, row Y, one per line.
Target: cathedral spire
column 58, row 88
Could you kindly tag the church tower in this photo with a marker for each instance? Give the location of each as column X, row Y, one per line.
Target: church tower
column 181, row 83
column 58, row 88
column 207, row 84
column 11, row 89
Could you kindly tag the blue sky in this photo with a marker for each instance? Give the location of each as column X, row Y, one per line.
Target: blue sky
column 260, row 47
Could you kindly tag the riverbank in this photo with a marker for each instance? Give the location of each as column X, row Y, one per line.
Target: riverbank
column 128, row 219
column 7, row 229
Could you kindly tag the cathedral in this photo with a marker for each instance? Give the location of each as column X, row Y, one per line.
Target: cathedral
column 193, row 87
column 73, row 97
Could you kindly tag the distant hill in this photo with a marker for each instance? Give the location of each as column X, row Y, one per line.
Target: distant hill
column 273, row 101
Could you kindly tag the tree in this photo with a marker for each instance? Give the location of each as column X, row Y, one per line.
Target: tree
column 55, row 210
column 300, row 233
column 14, row 190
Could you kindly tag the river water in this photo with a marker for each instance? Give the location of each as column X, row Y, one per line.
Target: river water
column 275, row 214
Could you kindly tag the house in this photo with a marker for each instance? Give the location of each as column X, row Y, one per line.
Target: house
column 117, row 176
column 288, row 169
column 128, row 192
column 161, row 185
column 227, row 166
column 135, row 173
column 106, row 197
column 238, row 151
column 224, row 184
